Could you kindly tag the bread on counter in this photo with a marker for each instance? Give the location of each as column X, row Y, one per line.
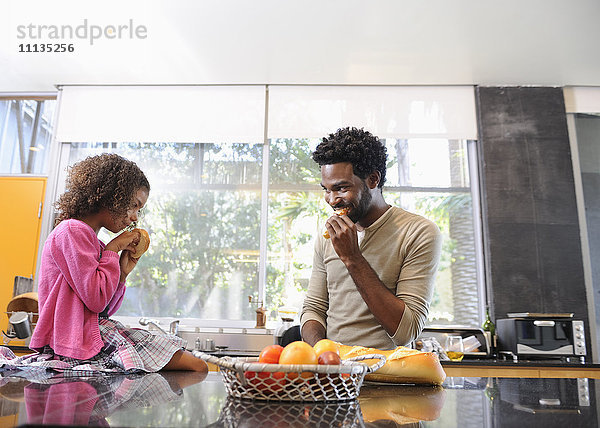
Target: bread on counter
column 401, row 404
column 403, row 365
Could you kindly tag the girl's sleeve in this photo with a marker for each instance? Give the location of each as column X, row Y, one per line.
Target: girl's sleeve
column 115, row 303
column 95, row 282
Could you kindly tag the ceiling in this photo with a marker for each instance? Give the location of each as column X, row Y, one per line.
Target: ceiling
column 436, row 42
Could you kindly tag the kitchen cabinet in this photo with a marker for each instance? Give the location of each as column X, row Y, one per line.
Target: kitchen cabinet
column 20, row 222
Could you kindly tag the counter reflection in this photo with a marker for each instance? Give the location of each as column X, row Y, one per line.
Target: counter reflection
column 377, row 406
column 183, row 399
column 88, row 401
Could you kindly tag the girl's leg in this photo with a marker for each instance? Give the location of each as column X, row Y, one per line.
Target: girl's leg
column 184, row 360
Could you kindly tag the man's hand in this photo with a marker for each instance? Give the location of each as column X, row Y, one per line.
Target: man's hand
column 385, row 306
column 312, row 332
column 344, row 237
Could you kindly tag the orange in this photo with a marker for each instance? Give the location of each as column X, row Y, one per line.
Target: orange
column 298, row 353
column 270, row 354
column 325, row 345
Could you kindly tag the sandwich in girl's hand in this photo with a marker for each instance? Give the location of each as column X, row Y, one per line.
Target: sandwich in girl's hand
column 340, row 212
column 142, row 246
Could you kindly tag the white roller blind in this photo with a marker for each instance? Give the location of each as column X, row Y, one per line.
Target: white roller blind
column 582, row 99
column 386, row 111
column 162, row 113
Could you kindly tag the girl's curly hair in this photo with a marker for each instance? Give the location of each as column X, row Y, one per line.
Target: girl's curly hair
column 362, row 149
column 104, row 181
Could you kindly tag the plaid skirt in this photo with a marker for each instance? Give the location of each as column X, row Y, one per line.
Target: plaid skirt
column 125, row 350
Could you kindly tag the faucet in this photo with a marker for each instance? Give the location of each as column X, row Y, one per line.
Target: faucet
column 173, row 327
column 152, row 322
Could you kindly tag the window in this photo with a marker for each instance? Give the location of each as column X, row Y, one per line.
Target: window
column 232, row 218
column 25, row 135
column 297, row 212
column 203, row 216
column 430, row 177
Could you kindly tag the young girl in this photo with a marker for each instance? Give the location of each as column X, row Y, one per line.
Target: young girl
column 82, row 281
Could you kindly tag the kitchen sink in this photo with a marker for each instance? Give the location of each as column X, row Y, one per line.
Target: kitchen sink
column 237, row 337
column 228, row 339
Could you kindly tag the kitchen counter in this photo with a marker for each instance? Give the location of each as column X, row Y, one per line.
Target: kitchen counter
column 187, row 399
column 535, row 368
column 493, row 367
column 555, row 362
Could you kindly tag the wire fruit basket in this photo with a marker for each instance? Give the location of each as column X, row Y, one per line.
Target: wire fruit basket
column 243, row 413
column 248, row 379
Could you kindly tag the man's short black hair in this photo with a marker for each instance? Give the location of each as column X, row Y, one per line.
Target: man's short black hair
column 362, row 149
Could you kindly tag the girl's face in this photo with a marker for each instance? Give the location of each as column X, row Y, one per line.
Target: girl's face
column 118, row 222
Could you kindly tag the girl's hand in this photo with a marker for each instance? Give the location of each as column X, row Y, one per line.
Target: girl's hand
column 125, row 241
column 127, row 264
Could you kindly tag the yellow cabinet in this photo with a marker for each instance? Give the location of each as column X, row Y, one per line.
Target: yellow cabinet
column 20, row 222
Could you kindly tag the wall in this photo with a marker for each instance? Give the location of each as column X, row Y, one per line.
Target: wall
column 531, row 228
column 513, row 42
column 588, row 143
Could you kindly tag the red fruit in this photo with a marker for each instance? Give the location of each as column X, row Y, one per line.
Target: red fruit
column 329, row 358
column 270, row 354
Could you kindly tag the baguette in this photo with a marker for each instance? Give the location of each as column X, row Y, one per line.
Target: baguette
column 142, row 245
column 403, row 365
column 402, row 405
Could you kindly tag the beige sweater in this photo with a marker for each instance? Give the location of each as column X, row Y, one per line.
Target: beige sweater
column 404, row 249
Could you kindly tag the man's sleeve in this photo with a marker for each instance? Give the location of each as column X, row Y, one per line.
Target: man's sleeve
column 416, row 281
column 316, row 302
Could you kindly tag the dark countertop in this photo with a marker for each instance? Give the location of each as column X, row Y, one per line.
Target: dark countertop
column 501, row 362
column 573, row 362
column 173, row 399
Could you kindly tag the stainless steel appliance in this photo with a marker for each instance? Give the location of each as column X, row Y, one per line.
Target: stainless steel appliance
column 547, row 396
column 440, row 332
column 541, row 335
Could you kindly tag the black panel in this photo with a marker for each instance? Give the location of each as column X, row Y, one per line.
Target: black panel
column 531, row 227
column 514, row 258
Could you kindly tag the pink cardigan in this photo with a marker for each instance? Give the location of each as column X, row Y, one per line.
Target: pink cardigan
column 78, row 280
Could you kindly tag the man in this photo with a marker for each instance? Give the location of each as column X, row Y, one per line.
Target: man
column 372, row 281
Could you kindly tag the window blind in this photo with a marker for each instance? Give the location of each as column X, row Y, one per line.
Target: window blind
column 161, row 113
column 386, row 111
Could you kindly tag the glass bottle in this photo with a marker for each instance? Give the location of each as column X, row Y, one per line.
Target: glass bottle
column 489, row 327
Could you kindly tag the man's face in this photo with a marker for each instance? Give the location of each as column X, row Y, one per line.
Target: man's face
column 344, row 189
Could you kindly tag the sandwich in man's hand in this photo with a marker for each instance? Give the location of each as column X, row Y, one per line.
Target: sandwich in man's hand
column 340, row 212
